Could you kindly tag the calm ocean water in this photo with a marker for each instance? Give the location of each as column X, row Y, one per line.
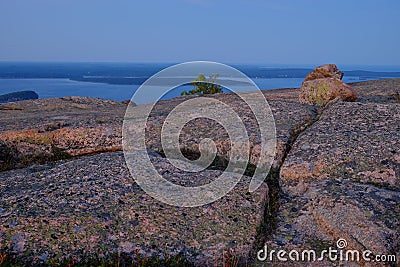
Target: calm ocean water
column 57, row 82
column 47, row 88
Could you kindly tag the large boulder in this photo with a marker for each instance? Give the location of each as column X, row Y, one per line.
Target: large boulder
column 324, row 84
column 320, row 91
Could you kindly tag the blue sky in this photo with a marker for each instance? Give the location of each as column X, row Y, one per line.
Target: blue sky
column 254, row 31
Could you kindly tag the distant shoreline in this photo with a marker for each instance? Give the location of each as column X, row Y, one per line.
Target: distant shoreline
column 120, row 81
column 57, row 88
column 290, row 92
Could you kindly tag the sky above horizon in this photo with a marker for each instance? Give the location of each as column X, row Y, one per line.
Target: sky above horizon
column 271, row 32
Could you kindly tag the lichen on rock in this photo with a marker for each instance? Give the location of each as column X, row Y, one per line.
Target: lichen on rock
column 323, row 85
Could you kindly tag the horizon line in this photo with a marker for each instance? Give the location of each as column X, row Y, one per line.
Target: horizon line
column 178, row 62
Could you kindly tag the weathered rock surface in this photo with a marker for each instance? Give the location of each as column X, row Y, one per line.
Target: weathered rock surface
column 348, row 142
column 341, row 179
column 364, row 215
column 290, row 118
column 324, row 84
column 382, row 91
column 50, row 129
column 39, row 130
column 72, row 126
column 67, row 111
column 91, row 206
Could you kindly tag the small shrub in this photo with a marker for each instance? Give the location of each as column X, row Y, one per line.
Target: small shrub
column 204, row 86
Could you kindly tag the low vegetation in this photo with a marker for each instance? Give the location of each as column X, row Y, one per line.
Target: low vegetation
column 204, row 86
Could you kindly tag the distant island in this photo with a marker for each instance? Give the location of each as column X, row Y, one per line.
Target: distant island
column 18, row 96
column 138, row 73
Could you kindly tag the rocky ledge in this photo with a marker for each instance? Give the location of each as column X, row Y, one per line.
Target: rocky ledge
column 335, row 175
